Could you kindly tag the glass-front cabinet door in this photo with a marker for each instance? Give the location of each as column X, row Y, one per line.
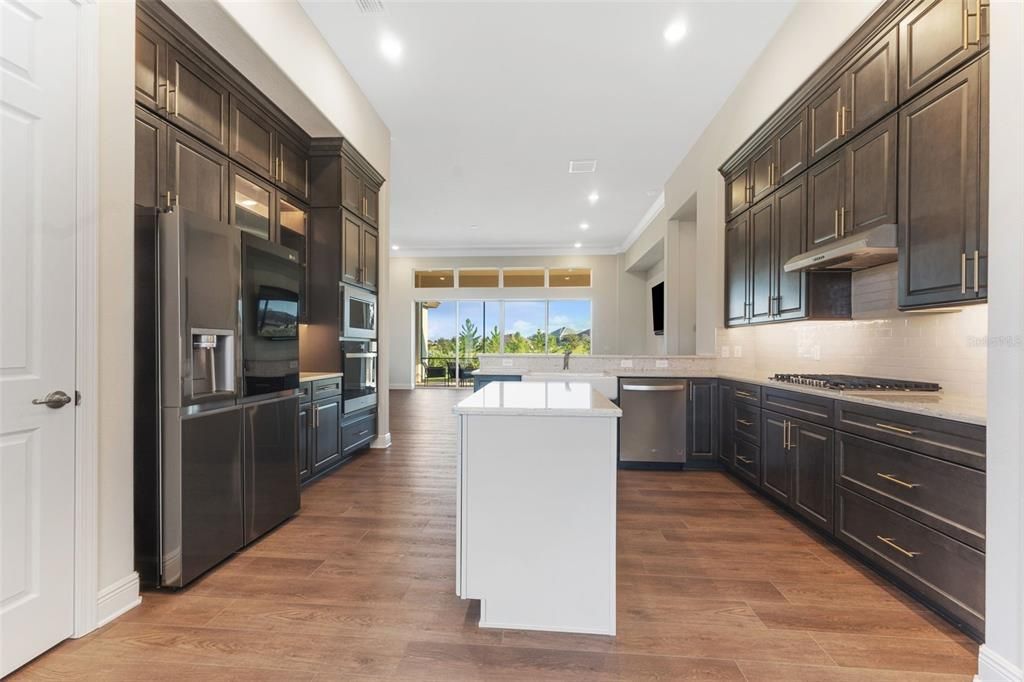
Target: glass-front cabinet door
column 252, row 204
column 292, row 232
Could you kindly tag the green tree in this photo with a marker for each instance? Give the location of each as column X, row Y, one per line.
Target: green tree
column 515, row 343
column 492, row 342
column 469, row 339
column 536, row 342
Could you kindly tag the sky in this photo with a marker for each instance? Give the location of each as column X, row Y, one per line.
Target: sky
column 525, row 317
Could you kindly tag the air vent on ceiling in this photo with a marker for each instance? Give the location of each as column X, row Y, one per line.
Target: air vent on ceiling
column 583, row 166
column 370, row 6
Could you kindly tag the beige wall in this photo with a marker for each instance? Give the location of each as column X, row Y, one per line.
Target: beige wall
column 609, row 336
column 115, row 517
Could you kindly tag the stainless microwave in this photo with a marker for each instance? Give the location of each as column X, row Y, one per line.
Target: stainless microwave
column 358, row 313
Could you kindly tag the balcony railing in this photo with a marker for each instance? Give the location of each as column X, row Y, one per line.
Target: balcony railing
column 435, row 370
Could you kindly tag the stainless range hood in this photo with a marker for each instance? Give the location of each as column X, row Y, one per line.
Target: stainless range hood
column 857, row 252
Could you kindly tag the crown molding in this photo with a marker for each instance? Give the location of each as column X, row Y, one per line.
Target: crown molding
column 645, row 221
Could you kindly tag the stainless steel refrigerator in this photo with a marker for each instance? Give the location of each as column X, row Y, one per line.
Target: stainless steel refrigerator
column 195, row 476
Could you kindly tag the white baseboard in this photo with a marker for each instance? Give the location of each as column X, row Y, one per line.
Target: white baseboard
column 381, row 442
column 117, row 598
column 994, row 668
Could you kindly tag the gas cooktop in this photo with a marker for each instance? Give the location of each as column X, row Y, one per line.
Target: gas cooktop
column 849, row 382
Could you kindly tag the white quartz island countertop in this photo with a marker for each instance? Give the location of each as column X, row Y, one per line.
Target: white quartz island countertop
column 552, row 398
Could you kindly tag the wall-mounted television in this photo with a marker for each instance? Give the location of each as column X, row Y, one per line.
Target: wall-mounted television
column 658, row 308
column 277, row 314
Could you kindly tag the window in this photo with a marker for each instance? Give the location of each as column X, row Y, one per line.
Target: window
column 524, row 326
column 523, row 277
column 479, row 277
column 569, row 327
column 569, row 277
column 435, row 279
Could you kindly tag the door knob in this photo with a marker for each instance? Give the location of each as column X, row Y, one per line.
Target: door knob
column 54, row 400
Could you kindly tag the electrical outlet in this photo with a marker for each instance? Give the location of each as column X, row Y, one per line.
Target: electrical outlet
column 626, row 364
column 506, row 363
column 737, row 351
column 661, row 364
column 726, row 352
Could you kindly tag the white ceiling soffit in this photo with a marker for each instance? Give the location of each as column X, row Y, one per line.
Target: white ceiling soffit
column 488, row 102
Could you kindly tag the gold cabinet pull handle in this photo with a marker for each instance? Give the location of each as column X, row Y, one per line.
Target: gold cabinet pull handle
column 904, row 552
column 835, row 223
column 897, row 429
column 893, row 479
column 842, row 116
column 745, row 394
column 842, row 221
column 744, row 459
column 966, row 17
column 963, row 273
column 837, row 124
column 744, row 422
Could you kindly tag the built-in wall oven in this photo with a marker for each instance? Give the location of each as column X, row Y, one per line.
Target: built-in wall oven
column 358, row 313
column 359, row 383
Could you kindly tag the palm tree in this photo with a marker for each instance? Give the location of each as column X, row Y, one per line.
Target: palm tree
column 469, row 339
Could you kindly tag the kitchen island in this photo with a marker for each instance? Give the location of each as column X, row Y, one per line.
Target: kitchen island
column 535, row 521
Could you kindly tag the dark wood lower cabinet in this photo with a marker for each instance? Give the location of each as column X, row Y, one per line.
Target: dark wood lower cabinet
column 776, row 461
column 725, row 433
column 305, row 429
column 702, row 431
column 812, row 447
column 326, row 434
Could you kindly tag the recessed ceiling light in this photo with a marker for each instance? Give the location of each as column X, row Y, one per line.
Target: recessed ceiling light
column 391, row 48
column 583, row 166
column 593, row 197
column 474, row 227
column 577, row 245
column 394, row 247
column 675, row 32
column 584, row 226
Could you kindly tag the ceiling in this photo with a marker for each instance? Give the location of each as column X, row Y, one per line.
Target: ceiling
column 489, row 102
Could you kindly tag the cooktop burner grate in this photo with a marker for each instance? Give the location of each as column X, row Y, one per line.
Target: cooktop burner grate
column 849, row 382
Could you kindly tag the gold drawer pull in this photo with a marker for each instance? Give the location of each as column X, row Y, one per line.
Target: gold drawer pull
column 744, row 459
column 890, row 427
column 888, row 541
column 744, row 394
column 744, row 422
column 893, row 479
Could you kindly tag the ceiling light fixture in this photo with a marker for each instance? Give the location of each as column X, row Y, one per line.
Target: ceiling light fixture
column 391, row 48
column 675, row 32
column 577, row 245
column 593, row 197
column 584, row 226
column 394, row 247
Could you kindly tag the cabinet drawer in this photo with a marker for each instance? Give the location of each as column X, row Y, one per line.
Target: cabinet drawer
column 953, row 441
column 358, row 433
column 813, row 408
column 305, row 391
column 747, row 460
column 948, row 573
column 747, row 422
column 324, row 388
column 746, row 393
column 945, row 496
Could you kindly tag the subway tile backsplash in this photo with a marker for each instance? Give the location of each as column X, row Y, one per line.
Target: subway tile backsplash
column 947, row 347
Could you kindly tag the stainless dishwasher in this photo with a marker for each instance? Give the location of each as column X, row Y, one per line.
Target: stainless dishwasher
column 652, row 429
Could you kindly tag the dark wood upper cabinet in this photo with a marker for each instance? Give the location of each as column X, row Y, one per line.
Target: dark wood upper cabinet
column 823, row 116
column 936, row 37
column 737, row 192
column 812, row 449
column 293, row 167
column 150, row 160
column 871, row 85
column 197, row 176
column 197, row 101
column 870, row 178
column 150, row 67
column 371, row 202
column 762, row 170
column 789, row 288
column 351, row 250
column 252, row 139
column 370, row 252
column 825, row 194
column 942, row 191
column 791, row 148
column 737, row 242
column 762, row 234
column 253, row 203
column 351, row 187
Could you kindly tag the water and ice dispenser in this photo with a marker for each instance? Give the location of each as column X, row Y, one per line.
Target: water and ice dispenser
column 213, row 362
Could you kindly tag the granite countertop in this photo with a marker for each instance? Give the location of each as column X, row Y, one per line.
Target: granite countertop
column 313, row 376
column 940, row 404
column 539, row 398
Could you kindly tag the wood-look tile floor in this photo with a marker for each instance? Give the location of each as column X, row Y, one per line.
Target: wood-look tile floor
column 714, row 584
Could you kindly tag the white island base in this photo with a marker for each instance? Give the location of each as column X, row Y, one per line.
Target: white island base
column 536, row 506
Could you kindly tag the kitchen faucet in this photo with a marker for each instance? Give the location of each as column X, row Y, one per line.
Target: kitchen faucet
column 565, row 359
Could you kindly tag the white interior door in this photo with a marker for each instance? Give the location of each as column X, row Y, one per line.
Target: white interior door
column 38, row 207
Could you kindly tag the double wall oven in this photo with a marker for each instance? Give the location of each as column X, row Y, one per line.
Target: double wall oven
column 358, row 337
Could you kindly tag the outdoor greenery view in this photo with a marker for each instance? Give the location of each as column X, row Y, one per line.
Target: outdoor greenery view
column 453, row 333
